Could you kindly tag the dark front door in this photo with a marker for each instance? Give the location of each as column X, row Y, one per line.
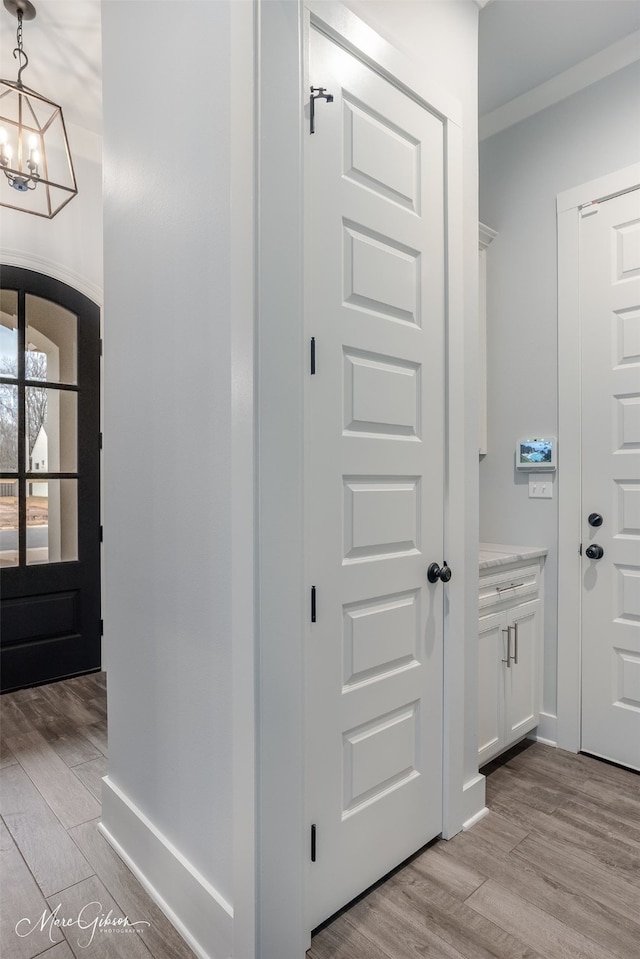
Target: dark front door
column 49, row 480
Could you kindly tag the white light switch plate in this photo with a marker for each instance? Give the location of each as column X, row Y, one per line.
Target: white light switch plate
column 540, row 487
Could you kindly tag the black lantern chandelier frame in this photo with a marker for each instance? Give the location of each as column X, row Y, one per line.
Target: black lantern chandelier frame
column 32, row 122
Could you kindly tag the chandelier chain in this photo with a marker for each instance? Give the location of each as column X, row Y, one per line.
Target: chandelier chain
column 19, row 51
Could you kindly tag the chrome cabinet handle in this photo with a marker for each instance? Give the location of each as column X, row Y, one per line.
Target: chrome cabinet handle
column 508, row 659
column 501, row 589
column 515, row 645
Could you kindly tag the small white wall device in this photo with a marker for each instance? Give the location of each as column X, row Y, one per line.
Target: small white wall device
column 536, row 454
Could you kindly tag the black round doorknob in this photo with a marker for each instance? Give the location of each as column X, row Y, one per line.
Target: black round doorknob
column 442, row 573
column 595, row 519
column 594, row 551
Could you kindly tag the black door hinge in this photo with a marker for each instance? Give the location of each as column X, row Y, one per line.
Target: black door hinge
column 102, row 627
column 101, row 348
column 313, row 355
column 317, row 93
column 580, row 550
column 313, row 604
column 313, row 842
column 99, row 440
column 101, row 533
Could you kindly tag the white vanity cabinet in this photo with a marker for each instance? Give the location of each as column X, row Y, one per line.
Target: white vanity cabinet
column 510, row 646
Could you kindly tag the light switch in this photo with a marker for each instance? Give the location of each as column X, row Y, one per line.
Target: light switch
column 540, row 487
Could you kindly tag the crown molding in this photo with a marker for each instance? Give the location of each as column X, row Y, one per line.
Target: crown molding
column 486, row 235
column 576, row 78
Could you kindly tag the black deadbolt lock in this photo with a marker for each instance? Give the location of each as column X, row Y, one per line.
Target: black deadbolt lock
column 595, row 519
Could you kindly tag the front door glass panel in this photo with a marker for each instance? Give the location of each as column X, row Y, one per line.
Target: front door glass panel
column 8, row 522
column 52, row 526
column 8, row 333
column 51, row 342
column 38, row 431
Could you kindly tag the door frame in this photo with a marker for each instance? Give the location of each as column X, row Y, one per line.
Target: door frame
column 569, row 708
column 56, row 576
column 282, row 852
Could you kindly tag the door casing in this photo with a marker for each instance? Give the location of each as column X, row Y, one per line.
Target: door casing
column 282, row 36
column 569, row 708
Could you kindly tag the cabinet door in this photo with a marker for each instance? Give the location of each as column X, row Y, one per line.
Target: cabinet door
column 521, row 701
column 491, row 651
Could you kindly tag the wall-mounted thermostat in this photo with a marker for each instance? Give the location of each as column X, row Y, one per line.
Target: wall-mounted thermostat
column 536, row 453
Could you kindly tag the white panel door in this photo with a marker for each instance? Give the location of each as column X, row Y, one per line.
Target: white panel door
column 375, row 434
column 610, row 310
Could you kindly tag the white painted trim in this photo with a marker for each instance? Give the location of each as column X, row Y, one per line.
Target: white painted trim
column 457, row 468
column 602, row 64
column 243, row 475
column 473, row 801
column 547, row 730
column 13, row 257
column 280, row 439
column 344, row 27
column 485, row 235
column 569, row 482
column 470, row 823
column 602, row 188
column 569, row 458
column 283, row 832
column 198, row 911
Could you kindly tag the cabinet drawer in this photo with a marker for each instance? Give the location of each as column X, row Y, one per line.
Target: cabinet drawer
column 509, row 586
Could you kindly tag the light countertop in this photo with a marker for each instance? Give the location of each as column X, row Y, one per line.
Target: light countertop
column 497, row 554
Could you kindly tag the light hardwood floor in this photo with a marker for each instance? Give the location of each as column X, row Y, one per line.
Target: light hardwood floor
column 53, row 746
column 552, row 873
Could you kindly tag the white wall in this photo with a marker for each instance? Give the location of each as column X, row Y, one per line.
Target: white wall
column 68, row 247
column 521, row 171
column 168, row 443
column 170, row 430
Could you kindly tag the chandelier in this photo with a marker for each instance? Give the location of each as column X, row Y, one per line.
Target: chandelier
column 34, row 150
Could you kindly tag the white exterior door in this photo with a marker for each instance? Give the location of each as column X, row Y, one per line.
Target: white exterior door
column 374, row 477
column 610, row 311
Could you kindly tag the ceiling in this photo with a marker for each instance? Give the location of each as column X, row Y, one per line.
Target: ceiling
column 63, row 44
column 523, row 43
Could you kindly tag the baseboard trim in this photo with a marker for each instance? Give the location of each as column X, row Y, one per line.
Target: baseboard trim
column 473, row 801
column 474, row 819
column 197, row 910
column 546, row 731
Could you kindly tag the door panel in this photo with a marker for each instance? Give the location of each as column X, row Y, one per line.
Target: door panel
column 521, row 676
column 492, row 654
column 610, row 310
column 374, row 477
column 49, row 490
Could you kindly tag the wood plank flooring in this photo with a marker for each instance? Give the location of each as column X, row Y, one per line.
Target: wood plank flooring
column 552, row 873
column 53, row 744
